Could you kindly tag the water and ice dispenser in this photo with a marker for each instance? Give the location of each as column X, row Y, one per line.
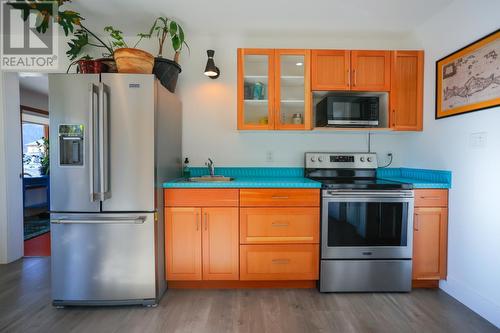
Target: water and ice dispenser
column 71, row 145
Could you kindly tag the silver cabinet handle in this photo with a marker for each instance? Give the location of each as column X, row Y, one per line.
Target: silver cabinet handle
column 92, row 92
column 354, row 74
column 197, row 221
column 348, row 78
column 106, row 220
column 206, row 221
column 277, row 224
column 280, row 197
column 415, row 223
column 281, row 261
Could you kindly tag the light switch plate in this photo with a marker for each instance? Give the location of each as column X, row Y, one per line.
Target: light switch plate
column 478, row 140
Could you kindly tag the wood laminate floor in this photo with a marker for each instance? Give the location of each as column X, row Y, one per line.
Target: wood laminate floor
column 25, row 307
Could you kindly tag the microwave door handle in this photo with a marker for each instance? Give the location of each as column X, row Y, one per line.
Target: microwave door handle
column 92, row 92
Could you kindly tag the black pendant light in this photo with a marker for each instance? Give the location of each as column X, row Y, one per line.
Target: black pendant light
column 211, row 70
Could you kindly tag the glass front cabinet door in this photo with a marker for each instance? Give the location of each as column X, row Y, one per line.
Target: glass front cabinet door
column 293, row 90
column 255, row 89
column 273, row 89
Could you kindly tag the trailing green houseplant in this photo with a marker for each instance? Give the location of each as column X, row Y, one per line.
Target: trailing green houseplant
column 166, row 70
column 43, row 147
column 72, row 23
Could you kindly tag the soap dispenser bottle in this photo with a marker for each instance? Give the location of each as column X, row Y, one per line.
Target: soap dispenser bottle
column 186, row 173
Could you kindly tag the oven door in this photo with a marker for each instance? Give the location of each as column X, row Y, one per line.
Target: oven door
column 367, row 225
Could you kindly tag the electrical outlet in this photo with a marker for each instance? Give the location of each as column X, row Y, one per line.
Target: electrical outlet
column 269, row 156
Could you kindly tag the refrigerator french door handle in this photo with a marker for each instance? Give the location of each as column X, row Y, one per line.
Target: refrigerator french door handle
column 104, row 142
column 93, row 91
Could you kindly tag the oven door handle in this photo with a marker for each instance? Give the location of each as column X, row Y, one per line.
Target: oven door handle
column 367, row 194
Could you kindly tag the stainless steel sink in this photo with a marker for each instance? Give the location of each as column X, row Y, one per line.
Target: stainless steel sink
column 211, row 179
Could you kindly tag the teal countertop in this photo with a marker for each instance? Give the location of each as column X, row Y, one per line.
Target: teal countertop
column 294, row 178
column 420, row 178
column 248, row 178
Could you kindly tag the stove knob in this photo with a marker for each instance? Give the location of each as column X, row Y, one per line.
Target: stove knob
column 369, row 159
column 313, row 159
column 362, row 159
column 320, row 159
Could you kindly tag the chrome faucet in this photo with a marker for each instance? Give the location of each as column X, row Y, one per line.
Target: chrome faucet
column 211, row 167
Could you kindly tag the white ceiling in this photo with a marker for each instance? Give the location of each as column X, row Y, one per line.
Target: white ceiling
column 37, row 82
column 258, row 16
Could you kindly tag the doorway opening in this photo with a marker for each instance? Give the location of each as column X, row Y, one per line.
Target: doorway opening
column 34, row 117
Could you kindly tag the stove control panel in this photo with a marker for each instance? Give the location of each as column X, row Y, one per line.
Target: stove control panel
column 341, row 161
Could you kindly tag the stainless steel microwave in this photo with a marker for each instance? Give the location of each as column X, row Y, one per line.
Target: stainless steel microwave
column 348, row 111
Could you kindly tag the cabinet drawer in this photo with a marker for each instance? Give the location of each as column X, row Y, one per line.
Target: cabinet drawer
column 279, row 197
column 431, row 198
column 181, row 197
column 279, row 225
column 279, row 262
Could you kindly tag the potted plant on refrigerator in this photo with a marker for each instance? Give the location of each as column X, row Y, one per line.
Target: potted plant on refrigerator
column 166, row 70
column 131, row 60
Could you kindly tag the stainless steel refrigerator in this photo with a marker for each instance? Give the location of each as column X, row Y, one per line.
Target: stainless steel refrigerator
column 114, row 139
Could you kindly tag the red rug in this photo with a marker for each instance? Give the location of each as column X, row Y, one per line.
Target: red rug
column 38, row 246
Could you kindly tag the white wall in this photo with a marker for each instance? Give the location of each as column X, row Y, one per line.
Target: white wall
column 11, row 200
column 209, row 106
column 474, row 219
column 34, row 99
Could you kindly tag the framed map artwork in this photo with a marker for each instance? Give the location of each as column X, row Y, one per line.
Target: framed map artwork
column 469, row 79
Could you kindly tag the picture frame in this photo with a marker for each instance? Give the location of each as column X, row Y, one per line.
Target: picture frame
column 468, row 79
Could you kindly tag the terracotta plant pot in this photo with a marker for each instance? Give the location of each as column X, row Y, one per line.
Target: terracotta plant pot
column 167, row 71
column 90, row 66
column 134, row 61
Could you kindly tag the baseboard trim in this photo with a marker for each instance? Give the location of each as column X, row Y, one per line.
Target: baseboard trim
column 305, row 284
column 428, row 284
column 481, row 305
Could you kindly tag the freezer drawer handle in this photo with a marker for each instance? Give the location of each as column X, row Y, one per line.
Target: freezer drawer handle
column 107, row 220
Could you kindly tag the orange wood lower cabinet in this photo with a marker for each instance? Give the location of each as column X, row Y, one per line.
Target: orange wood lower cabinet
column 201, row 197
column 431, row 198
column 183, row 243
column 220, row 244
column 279, row 225
column 430, row 235
column 279, row 197
column 279, row 262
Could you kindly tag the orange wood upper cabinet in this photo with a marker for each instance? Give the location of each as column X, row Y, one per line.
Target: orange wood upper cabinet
column 430, row 239
column 273, row 88
column 407, row 90
column 256, row 105
column 220, row 244
column 330, row 69
column 292, row 92
column 183, row 243
column 371, row 70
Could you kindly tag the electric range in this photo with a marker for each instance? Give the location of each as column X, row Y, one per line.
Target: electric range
column 366, row 225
